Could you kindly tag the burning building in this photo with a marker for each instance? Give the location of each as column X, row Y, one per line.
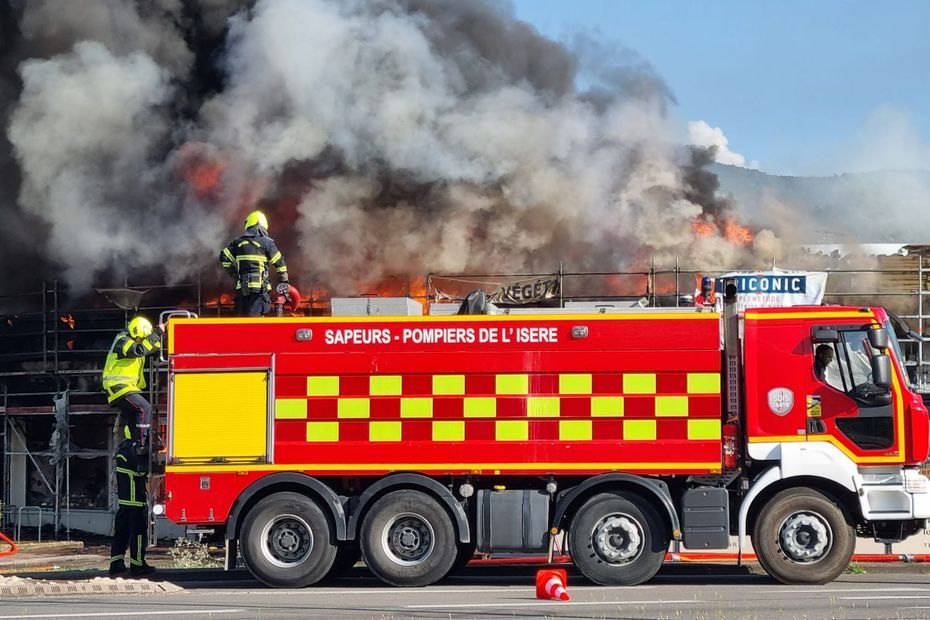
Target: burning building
column 384, row 137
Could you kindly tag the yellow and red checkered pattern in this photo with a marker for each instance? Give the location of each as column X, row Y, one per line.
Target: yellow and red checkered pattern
column 508, row 407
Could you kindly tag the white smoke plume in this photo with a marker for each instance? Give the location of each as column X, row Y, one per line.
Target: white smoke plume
column 86, row 131
column 701, row 133
column 382, row 137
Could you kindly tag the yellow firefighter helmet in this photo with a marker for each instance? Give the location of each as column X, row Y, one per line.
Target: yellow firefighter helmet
column 256, row 218
column 140, row 327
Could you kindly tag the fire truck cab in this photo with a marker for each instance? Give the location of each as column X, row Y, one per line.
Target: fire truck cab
column 414, row 441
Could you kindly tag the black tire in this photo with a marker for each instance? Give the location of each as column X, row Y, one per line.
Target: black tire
column 408, row 539
column 347, row 556
column 618, row 559
column 287, row 541
column 790, row 530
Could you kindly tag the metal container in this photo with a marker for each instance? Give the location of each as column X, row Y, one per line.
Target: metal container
column 376, row 306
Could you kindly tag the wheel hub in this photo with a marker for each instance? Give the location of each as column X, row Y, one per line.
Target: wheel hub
column 805, row 537
column 288, row 541
column 408, row 539
column 617, row 538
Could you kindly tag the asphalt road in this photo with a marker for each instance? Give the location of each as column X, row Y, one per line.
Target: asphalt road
column 682, row 592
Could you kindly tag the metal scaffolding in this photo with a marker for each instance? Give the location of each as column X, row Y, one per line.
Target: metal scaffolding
column 57, row 429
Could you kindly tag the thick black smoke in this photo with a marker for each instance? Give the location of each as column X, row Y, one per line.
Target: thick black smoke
column 382, row 137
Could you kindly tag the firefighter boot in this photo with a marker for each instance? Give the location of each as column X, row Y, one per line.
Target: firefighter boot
column 117, row 566
column 139, row 571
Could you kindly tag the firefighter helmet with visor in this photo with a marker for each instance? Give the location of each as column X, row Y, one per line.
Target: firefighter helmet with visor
column 140, row 327
column 256, row 218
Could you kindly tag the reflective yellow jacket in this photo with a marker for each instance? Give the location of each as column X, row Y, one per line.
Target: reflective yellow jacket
column 123, row 372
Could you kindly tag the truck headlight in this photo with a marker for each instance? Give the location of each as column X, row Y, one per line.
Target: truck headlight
column 158, row 510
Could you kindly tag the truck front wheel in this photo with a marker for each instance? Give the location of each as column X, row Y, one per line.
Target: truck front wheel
column 286, row 541
column 408, row 539
column 802, row 537
column 617, row 540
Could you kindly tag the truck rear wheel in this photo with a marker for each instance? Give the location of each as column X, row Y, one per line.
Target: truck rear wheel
column 802, row 537
column 617, row 540
column 408, row 539
column 287, row 542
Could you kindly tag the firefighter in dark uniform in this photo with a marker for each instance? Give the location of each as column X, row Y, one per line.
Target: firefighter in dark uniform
column 130, row 526
column 124, row 375
column 246, row 260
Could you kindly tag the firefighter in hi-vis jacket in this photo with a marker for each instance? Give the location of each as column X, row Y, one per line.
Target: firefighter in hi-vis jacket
column 124, row 375
column 131, row 522
column 246, row 261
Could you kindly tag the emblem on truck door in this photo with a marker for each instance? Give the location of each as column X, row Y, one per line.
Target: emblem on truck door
column 781, row 400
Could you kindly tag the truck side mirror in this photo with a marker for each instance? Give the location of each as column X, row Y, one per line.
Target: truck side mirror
column 821, row 335
column 878, row 338
column 730, row 290
column 881, row 371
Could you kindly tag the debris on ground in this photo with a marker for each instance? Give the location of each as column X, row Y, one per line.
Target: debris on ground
column 23, row 586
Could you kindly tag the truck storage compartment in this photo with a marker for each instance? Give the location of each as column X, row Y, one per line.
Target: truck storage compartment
column 219, row 417
column 513, row 521
column 705, row 518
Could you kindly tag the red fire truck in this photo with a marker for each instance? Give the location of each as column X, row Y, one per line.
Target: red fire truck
column 414, row 441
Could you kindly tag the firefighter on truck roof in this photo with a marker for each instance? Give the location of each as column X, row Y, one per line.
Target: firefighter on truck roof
column 131, row 522
column 124, row 375
column 246, row 260
column 707, row 296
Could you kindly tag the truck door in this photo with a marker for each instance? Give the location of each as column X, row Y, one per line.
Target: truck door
column 843, row 405
column 775, row 363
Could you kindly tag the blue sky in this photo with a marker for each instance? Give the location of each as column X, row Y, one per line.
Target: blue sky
column 802, row 87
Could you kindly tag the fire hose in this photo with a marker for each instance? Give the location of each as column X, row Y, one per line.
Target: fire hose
column 13, row 550
column 865, row 558
column 287, row 299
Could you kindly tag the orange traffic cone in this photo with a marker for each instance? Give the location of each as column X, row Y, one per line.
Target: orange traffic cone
column 551, row 584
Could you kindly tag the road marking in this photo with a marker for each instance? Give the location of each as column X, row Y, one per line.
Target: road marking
column 552, row 603
column 879, row 598
column 120, row 614
column 856, row 588
column 513, row 589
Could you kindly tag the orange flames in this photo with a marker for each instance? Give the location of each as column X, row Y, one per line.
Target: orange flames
column 399, row 286
column 67, row 319
column 729, row 229
column 226, row 299
column 202, row 170
column 737, row 234
column 703, row 228
column 316, row 300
